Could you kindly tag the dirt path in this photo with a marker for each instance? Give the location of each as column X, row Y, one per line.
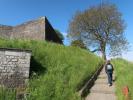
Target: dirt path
column 101, row 90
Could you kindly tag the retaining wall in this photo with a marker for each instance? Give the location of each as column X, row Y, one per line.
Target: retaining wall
column 14, row 67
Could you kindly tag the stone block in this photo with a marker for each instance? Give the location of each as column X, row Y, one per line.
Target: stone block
column 14, row 60
column 12, row 53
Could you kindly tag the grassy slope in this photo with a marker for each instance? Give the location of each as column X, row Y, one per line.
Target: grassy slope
column 124, row 75
column 59, row 69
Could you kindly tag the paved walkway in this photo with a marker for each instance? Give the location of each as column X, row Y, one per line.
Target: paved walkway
column 101, row 90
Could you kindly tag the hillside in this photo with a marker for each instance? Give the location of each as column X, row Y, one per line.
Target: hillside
column 124, row 77
column 57, row 71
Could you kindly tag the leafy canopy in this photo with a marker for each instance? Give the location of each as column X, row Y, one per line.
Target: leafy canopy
column 100, row 27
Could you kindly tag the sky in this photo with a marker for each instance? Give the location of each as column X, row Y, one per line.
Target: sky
column 60, row 12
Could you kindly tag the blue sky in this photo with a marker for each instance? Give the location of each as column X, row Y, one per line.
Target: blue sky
column 59, row 12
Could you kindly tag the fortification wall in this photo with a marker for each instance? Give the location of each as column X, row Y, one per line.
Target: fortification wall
column 14, row 67
column 34, row 30
column 39, row 29
column 50, row 34
column 5, row 31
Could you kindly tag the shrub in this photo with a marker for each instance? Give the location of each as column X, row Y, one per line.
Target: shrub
column 78, row 43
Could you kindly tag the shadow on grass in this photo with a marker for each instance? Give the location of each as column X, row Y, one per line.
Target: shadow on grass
column 36, row 67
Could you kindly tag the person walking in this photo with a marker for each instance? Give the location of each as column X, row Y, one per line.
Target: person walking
column 109, row 70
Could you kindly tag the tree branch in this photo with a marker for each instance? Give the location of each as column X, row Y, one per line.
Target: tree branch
column 95, row 50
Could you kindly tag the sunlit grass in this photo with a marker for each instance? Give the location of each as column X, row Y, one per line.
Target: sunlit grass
column 7, row 94
column 57, row 70
column 124, row 77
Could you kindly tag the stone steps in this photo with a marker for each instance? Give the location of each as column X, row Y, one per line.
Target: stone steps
column 101, row 90
column 101, row 81
column 103, row 76
column 101, row 96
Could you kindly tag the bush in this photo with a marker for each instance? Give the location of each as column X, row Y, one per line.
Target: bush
column 78, row 43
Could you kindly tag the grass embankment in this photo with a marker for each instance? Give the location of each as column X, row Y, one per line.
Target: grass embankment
column 124, row 77
column 58, row 70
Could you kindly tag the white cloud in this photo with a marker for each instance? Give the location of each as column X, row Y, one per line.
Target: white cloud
column 66, row 41
column 64, row 34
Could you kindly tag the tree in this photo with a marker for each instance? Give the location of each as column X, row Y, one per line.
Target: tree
column 101, row 27
column 78, row 43
column 59, row 34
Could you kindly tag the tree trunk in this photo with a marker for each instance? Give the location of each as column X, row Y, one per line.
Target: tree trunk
column 104, row 55
column 103, row 51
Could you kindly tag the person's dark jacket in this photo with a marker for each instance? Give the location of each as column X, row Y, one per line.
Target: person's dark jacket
column 111, row 71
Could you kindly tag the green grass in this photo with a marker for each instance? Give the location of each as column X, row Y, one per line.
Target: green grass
column 124, row 77
column 7, row 94
column 57, row 70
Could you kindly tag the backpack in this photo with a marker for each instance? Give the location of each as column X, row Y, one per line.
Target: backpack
column 109, row 67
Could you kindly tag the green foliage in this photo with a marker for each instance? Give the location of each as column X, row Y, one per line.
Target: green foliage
column 78, row 43
column 124, row 77
column 57, row 70
column 101, row 27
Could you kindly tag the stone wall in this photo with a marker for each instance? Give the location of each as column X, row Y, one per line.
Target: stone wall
column 39, row 29
column 50, row 34
column 30, row 30
column 14, row 67
column 5, row 31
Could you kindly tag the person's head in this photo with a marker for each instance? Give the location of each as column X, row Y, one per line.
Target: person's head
column 108, row 61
